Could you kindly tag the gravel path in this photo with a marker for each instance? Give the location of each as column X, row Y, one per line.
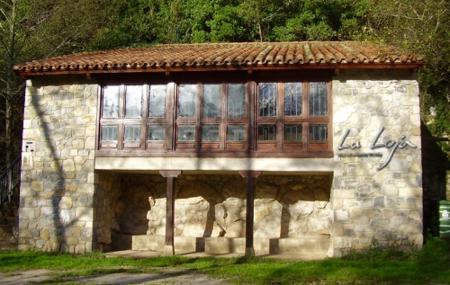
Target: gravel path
column 182, row 277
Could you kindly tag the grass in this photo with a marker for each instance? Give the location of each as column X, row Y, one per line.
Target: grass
column 431, row 265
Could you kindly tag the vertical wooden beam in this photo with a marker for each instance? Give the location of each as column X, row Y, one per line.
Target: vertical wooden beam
column 250, row 206
column 170, row 175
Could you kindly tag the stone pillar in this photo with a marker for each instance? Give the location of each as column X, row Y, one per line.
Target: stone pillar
column 169, row 247
column 57, row 178
column 377, row 192
column 250, row 204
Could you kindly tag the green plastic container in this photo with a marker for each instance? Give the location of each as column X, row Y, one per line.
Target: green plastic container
column 444, row 219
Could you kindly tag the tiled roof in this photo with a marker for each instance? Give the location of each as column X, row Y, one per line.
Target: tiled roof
column 312, row 54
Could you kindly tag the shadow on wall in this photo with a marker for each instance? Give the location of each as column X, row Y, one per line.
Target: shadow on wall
column 214, row 206
column 55, row 176
column 435, row 165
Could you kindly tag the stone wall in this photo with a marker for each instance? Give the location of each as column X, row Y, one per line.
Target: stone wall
column 372, row 206
column 107, row 192
column 214, row 205
column 57, row 182
column 368, row 205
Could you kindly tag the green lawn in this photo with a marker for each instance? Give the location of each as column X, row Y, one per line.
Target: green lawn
column 431, row 265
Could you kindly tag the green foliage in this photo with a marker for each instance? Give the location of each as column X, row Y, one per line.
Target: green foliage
column 429, row 265
column 421, row 26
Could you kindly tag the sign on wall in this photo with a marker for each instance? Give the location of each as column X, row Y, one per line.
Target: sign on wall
column 392, row 146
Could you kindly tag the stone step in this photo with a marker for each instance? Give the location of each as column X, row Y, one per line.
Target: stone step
column 224, row 245
column 308, row 247
column 183, row 245
column 8, row 246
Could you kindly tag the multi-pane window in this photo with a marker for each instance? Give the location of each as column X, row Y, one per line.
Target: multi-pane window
column 109, row 133
column 133, row 101
column 155, row 133
column 186, row 133
column 235, row 133
column 211, row 100
column 157, row 101
column 247, row 118
column 210, row 133
column 293, row 98
column 293, row 133
column 267, row 99
column 186, row 100
column 267, row 132
column 132, row 134
column 236, row 101
column 318, row 133
column 111, row 97
column 318, row 99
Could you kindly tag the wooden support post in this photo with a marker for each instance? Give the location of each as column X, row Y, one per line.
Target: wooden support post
column 170, row 175
column 249, row 219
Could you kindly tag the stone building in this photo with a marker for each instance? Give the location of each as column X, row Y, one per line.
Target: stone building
column 309, row 149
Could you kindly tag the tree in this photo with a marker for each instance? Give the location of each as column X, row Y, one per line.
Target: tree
column 11, row 46
column 36, row 29
column 422, row 26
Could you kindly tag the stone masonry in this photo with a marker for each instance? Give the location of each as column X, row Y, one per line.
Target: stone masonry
column 57, row 187
column 375, row 207
column 65, row 205
column 286, row 206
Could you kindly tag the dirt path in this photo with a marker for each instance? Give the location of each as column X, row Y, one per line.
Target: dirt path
column 170, row 276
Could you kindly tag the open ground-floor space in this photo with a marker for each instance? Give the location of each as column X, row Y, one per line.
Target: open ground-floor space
column 291, row 213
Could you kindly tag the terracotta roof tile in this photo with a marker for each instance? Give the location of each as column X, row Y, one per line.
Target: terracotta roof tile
column 225, row 55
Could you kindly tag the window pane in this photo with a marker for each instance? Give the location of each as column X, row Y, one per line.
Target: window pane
column 211, row 100
column 210, row 132
column 235, row 133
column 236, row 101
column 157, row 101
column 109, row 133
column 318, row 133
column 293, row 133
column 292, row 99
column 132, row 134
column 186, row 100
column 156, row 133
column 267, row 132
column 111, row 101
column 267, row 99
column 186, row 133
column 133, row 101
column 318, row 99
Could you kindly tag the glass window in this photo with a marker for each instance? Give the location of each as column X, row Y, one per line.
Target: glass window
column 156, row 133
column 210, row 133
column 318, row 99
column 292, row 99
column 236, row 101
column 211, row 101
column 235, row 133
column 267, row 99
column 133, row 101
column 186, row 133
column 132, row 134
column 109, row 133
column 186, row 100
column 111, row 101
column 318, row 133
column 267, row 132
column 293, row 133
column 157, row 101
